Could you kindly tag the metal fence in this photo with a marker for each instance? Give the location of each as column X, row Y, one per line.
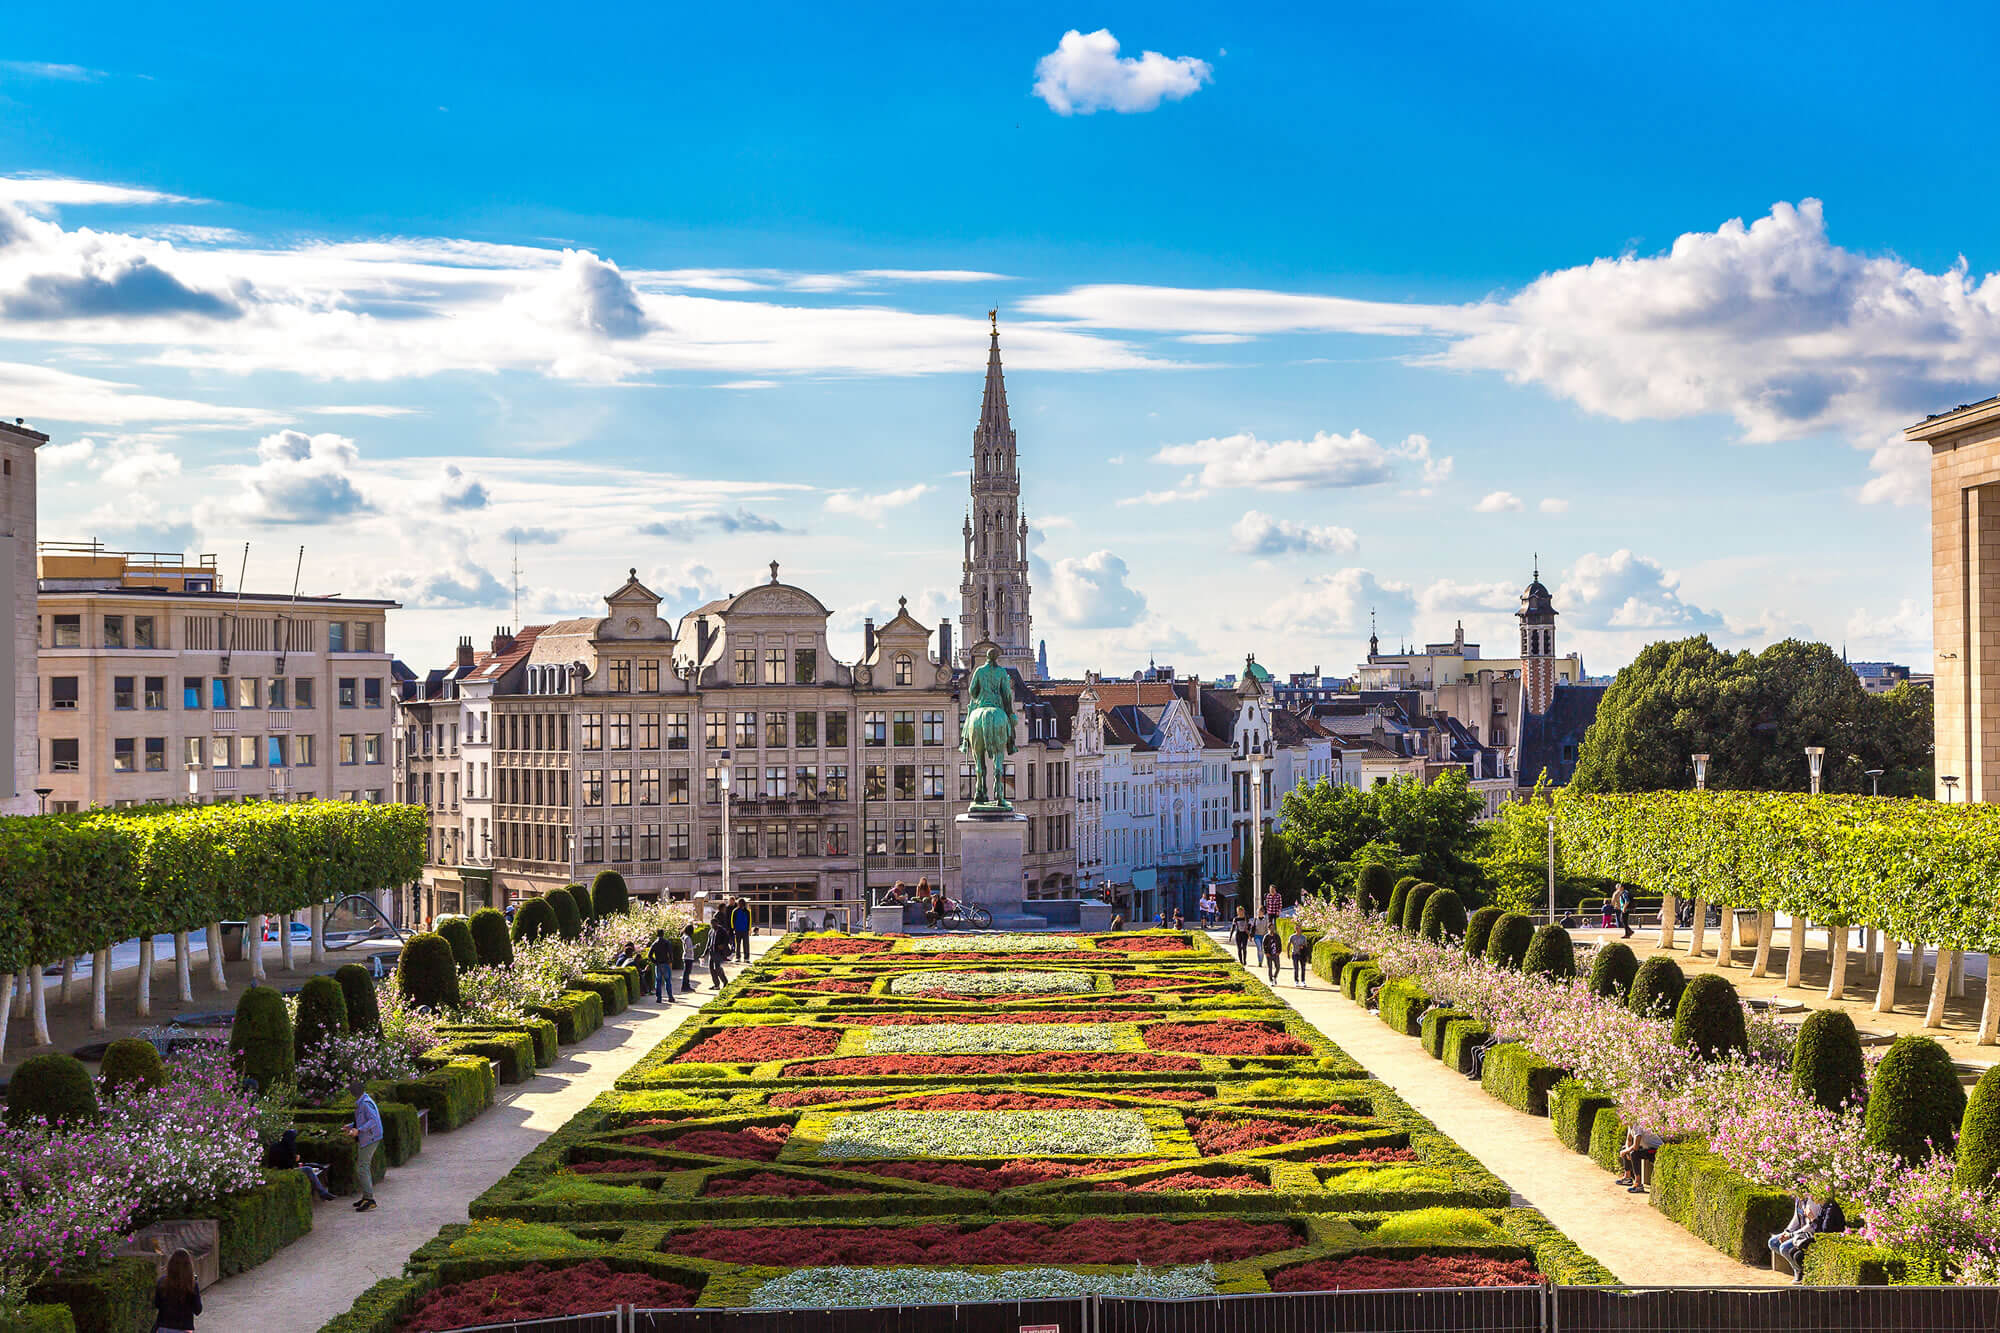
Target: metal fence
column 1430, row 1310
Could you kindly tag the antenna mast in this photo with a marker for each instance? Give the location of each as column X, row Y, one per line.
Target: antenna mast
column 517, row 583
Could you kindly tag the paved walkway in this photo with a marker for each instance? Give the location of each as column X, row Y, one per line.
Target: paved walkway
column 318, row 1276
column 1622, row 1231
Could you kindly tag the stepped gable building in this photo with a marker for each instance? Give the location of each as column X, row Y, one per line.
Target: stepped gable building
column 994, row 590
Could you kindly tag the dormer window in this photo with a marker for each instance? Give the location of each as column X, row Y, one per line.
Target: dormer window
column 905, row 669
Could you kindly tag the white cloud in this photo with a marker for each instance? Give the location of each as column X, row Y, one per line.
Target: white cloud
column 137, row 466
column 531, row 536
column 1552, row 505
column 1258, row 533
column 1326, row 461
column 460, row 583
column 1091, row 592
column 1085, row 74
column 1498, row 502
column 1340, row 600
column 39, row 192
column 1906, row 629
column 1446, row 596
column 44, row 69
column 298, row 478
column 873, row 506
column 686, row 527
column 590, row 295
column 1623, row 591
column 459, row 490
column 52, row 456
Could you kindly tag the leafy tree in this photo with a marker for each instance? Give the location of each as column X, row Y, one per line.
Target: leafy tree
column 1425, row 830
column 1281, row 872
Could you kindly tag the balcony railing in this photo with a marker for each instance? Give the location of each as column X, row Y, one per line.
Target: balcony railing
column 278, row 719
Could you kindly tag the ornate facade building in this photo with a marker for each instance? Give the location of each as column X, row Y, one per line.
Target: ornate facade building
column 994, row 591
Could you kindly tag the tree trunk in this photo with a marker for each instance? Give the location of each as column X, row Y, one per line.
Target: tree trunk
column 216, row 976
column 253, row 945
column 100, row 984
column 183, row 972
column 285, row 940
column 38, row 1005
column 1934, row 1015
column 1795, row 953
column 1917, row 969
column 1725, row 940
column 1836, row 980
column 1669, row 904
column 1868, row 951
column 144, row 1007
column 1958, row 975
column 317, row 919
column 1885, row 993
column 6, row 1010
column 21, row 995
column 68, row 980
column 1700, row 928
column 1767, row 926
column 1989, row 1017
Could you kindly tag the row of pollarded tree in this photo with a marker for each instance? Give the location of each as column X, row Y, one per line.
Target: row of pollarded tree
column 72, row 885
column 1905, row 870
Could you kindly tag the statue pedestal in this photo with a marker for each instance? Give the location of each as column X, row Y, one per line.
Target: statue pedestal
column 990, row 848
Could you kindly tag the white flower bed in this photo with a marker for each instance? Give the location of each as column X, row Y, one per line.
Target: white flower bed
column 996, row 942
column 994, row 1038
column 876, row 1288
column 993, row 983
column 931, row 1134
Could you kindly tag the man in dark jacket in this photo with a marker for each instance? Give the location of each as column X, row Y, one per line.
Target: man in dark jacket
column 1302, row 953
column 739, row 926
column 719, row 951
column 661, row 955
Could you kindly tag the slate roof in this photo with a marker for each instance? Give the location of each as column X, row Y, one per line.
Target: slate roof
column 1544, row 737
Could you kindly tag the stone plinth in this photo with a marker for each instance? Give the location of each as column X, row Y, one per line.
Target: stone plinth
column 990, row 853
column 1095, row 916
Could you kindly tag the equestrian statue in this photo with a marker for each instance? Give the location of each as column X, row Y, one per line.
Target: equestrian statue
column 988, row 733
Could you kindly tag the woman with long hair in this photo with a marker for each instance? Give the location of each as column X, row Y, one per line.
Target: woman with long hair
column 177, row 1297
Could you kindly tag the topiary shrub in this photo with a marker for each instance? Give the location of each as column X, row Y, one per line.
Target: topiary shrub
column 1508, row 944
column 1397, row 896
column 261, row 1037
column 1444, row 917
column 1550, row 954
column 1373, row 885
column 1612, row 970
column 1656, row 987
column 457, row 932
column 53, row 1087
column 427, row 974
column 1826, row 1061
column 1412, row 919
column 1479, row 930
column 580, row 895
column 357, row 989
column 534, row 919
column 1915, row 1102
column 608, row 894
column 489, row 938
column 133, row 1064
column 1979, row 1135
column 322, row 1014
column 569, row 921
column 1709, row 1018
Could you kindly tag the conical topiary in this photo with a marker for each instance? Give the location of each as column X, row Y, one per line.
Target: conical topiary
column 1508, row 944
column 53, row 1087
column 457, row 932
column 1444, row 917
column 1550, row 954
column 427, row 974
column 580, row 895
column 1979, row 1135
column 489, row 938
column 1612, row 970
column 569, row 921
column 1915, row 1104
column 1479, row 929
column 261, row 1037
column 131, row 1064
column 1656, row 987
column 357, row 989
column 1826, row 1060
column 535, row 919
column 1413, row 906
column 1373, row 885
column 608, row 894
column 322, row 1014
column 1397, row 895
column 1709, row 1018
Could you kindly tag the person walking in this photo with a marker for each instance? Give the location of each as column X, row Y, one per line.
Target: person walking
column 1274, row 902
column 177, row 1296
column 1271, row 955
column 719, row 952
column 1302, row 952
column 1621, row 908
column 739, row 927
column 366, row 1131
column 1240, row 929
column 687, row 956
column 662, row 957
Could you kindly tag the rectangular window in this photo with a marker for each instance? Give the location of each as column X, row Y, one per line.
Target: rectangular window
column 121, row 692
column 933, row 782
column 1031, row 782
column 347, row 696
column 805, row 666
column 875, row 838
column 364, row 638
column 746, row 666
column 711, row 783
column 777, row 782
column 746, row 841
column 649, row 683
column 302, row 750
column 350, row 749
column 123, row 750
column 246, row 752
column 246, row 691
column 63, row 756
column 142, row 631
column 805, row 730
column 68, row 631
column 274, row 692
column 807, row 786
column 906, row 727
column 649, row 842
column 371, row 748
column 776, row 726
column 677, row 842
column 874, row 729
column 274, row 752
column 62, row 692
column 336, row 636
column 649, row 786
column 715, row 731
column 620, row 680
column 836, row 731
column 302, row 692
column 191, row 752
column 933, row 835
column 906, row 837
column 593, row 789
column 875, row 782
column 677, row 731
column 677, row 786
column 836, row 782
column 777, row 840
column 746, row 731
column 156, row 754
column 593, row 843
column 371, row 692
column 933, row 726
column 621, row 731
column 906, row 782
column 621, row 842
column 114, row 631
column 191, row 687
column 621, row 786
column 714, row 842
column 649, row 731
column 746, row 782
column 220, row 695
column 965, row 782
column 221, row 754
column 839, row 839
column 808, row 839
column 592, row 729
column 774, row 666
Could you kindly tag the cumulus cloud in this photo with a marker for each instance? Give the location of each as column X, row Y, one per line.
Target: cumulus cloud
column 531, row 536
column 1623, row 591
column 857, row 505
column 1325, row 462
column 139, row 522
column 1554, row 506
column 50, row 275
column 590, row 294
column 1258, row 533
column 459, row 490
column 1907, row 628
column 1091, row 592
column 1085, row 74
column 298, row 478
column 53, row 456
column 1498, row 502
column 457, row 584
column 1341, row 600
column 1449, row 595
column 137, row 465
column 686, row 527
column 683, row 586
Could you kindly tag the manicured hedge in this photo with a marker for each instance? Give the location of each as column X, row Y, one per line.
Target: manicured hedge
column 43, row 1319
column 576, row 1014
column 52, row 1086
column 569, row 921
column 1373, row 884
column 1709, row 1018
column 1397, row 896
column 490, row 939
column 512, row 1053
column 1656, row 988
column 1514, row 1075
column 586, row 910
column 261, row 1037
column 254, row 1224
column 457, row 932
column 402, row 1132
column 1916, row 1102
column 610, row 990
column 540, row 1031
column 1356, row 978
column 1979, row 1134
column 453, row 1094
column 117, row 1298
column 383, row 1307
column 1444, row 917
column 1698, row 1190
column 534, row 919
column 1461, row 1037
column 1550, row 954
column 364, row 1006
column 1826, row 1060
column 1413, row 906
column 1329, row 957
column 1403, row 1003
column 608, row 894
column 1431, row 1030
column 427, row 972
column 1849, row 1261
column 1573, row 1110
column 131, row 1062
column 1607, row 1138
column 322, row 1014
column 331, row 1148
column 1612, row 970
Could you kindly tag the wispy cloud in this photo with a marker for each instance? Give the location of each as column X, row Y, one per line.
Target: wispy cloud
column 44, row 69
column 858, row 505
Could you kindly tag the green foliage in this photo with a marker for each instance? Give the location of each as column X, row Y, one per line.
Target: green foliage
column 117, row 1298
column 489, row 938
column 1508, row 944
column 1550, row 954
column 1328, row 958
column 1402, row 1004
column 254, row 1224
column 457, row 933
column 1398, row 896
column 1916, row 1102
column 71, row 884
column 1281, row 872
column 357, row 988
column 453, row 1094
column 131, row 1062
column 1331, row 831
column 1699, row 1191
column 1826, row 1060
column 1573, row 1110
column 1461, row 1037
column 1436, row 1226
column 53, row 1087
column 1443, row 917
column 1607, row 1138
column 1979, row 1135
column 261, row 1037
column 576, row 1015
column 1412, row 919
column 1432, row 1028
column 402, row 1134
column 1373, row 884
column 608, row 894
column 534, row 919
column 1849, row 1261
column 1709, row 1018
column 580, row 895
column 512, row 1052
column 427, row 973
column 322, row 1014
column 569, row 920
column 1612, row 970
column 1656, row 987
column 42, row 1319
column 1479, row 930
column 1516, row 1076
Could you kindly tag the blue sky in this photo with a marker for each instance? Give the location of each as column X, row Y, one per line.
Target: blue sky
column 1303, row 314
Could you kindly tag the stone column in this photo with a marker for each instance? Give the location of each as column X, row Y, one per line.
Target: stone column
column 1669, row 904
column 253, row 945
column 183, row 970
column 1767, row 926
column 1836, row 980
column 1934, row 1015
column 216, row 976
column 1795, row 953
column 1698, row 929
column 1885, row 993
column 100, row 983
column 144, row 1004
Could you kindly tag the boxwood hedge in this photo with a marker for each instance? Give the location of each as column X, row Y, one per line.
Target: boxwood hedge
column 1519, row 1078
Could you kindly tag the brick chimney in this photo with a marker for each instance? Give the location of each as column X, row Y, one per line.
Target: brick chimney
column 503, row 639
column 867, row 638
column 465, row 651
column 944, row 641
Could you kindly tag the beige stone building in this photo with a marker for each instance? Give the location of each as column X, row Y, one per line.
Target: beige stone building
column 19, row 707
column 1965, row 596
column 158, row 685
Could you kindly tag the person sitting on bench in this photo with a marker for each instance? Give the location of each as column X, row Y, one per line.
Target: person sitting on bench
column 1641, row 1146
column 1480, row 1052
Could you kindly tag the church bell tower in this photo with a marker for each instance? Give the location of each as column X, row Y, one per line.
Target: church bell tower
column 994, row 589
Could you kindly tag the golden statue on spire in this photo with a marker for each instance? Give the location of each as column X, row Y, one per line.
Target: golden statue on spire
column 994, row 315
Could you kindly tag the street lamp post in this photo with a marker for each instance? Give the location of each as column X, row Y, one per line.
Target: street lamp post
column 1701, row 772
column 1874, row 776
column 1552, row 870
column 1257, row 833
column 43, row 793
column 726, row 776
column 1950, row 784
column 1815, row 759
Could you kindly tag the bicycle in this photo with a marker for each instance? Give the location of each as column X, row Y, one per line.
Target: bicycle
column 967, row 916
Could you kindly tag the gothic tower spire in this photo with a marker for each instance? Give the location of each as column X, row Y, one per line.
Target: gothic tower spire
column 994, row 590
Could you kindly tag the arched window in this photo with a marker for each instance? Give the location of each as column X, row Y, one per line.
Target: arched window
column 905, row 669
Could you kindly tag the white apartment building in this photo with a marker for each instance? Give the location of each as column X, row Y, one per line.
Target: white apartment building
column 20, row 703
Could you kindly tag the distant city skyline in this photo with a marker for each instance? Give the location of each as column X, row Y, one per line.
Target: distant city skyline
column 1302, row 315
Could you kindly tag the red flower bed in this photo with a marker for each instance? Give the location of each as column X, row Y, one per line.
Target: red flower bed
column 1145, row 943
column 769, row 1183
column 1092, row 1240
column 1186, row 1180
column 757, row 1143
column 827, row 986
column 538, row 1292
column 753, row 1045
column 957, row 1175
column 1373, row 1273
column 1170, row 1094
column 619, row 1164
column 983, row 956
column 1044, row 1062
column 998, row 1101
column 1016, row 1016
column 1204, row 985
column 1225, row 1039
column 835, row 948
column 1357, row 1155
column 1216, row 1135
